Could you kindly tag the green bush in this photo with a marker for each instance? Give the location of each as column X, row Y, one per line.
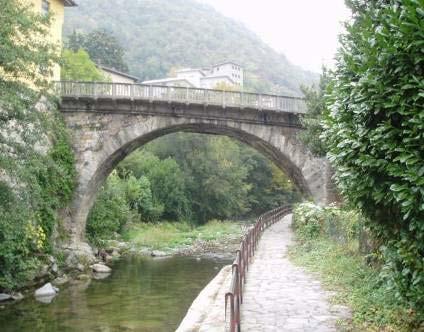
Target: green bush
column 311, row 221
column 375, row 133
column 35, row 185
column 110, row 212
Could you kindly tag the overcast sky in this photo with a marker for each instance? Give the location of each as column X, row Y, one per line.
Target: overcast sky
column 304, row 30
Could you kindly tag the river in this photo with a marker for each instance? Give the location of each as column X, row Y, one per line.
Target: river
column 142, row 294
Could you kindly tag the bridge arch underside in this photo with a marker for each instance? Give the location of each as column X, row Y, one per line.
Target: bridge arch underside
column 101, row 141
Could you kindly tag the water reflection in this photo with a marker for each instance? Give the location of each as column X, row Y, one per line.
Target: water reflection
column 142, row 294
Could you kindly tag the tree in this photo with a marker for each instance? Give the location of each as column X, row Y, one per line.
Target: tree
column 374, row 129
column 102, row 46
column 26, row 54
column 36, row 162
column 77, row 66
column 166, row 182
column 312, row 120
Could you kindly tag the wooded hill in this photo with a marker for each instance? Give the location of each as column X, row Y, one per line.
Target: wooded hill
column 162, row 35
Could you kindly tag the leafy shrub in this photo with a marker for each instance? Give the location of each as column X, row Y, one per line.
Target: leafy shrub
column 312, row 221
column 375, row 132
column 110, row 212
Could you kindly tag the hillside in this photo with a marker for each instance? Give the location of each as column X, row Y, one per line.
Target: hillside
column 160, row 35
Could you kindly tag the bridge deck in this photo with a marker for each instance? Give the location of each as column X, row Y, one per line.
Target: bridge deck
column 279, row 296
column 182, row 95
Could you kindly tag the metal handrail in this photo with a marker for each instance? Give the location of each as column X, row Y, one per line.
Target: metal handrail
column 181, row 95
column 248, row 246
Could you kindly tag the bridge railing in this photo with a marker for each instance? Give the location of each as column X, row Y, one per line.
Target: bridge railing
column 234, row 297
column 182, row 95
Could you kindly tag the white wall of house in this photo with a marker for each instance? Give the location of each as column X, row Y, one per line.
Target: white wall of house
column 206, row 78
column 232, row 70
column 210, row 82
column 191, row 75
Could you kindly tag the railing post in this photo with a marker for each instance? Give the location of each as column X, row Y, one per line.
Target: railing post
column 186, row 96
column 132, row 91
column 223, row 99
column 113, row 90
column 241, row 100
column 150, row 93
column 260, row 102
column 206, row 97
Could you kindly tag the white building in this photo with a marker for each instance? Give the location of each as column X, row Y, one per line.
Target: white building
column 228, row 73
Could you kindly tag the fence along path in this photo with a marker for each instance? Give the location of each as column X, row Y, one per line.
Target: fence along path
column 240, row 266
column 181, row 95
column 279, row 296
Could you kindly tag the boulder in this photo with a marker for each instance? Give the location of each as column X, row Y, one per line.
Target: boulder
column 5, row 297
column 17, row 296
column 47, row 290
column 158, row 253
column 101, row 268
column 61, row 280
column 55, row 268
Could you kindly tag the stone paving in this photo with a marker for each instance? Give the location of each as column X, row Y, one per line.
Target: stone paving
column 279, row 296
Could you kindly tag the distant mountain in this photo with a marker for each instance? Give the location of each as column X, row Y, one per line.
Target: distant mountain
column 160, row 35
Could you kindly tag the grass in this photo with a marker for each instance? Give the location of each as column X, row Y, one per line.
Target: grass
column 357, row 285
column 169, row 235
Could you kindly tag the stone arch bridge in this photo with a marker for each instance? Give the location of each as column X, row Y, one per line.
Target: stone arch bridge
column 108, row 121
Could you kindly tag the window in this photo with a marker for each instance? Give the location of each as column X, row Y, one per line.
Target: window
column 45, row 7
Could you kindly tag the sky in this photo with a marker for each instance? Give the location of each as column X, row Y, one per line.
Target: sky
column 304, row 30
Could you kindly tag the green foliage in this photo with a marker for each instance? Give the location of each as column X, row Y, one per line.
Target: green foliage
column 214, row 174
column 161, row 35
column 102, row 46
column 25, row 53
column 166, row 182
column 311, row 221
column 77, row 66
column 375, row 132
column 111, row 211
column 312, row 120
column 36, row 162
column 189, row 178
column 343, row 270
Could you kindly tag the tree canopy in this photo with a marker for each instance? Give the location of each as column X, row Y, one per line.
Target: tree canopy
column 77, row 66
column 102, row 46
column 374, row 129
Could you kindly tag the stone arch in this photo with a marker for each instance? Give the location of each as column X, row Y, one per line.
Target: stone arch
column 101, row 141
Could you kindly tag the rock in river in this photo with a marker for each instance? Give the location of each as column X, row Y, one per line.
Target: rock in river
column 46, row 291
column 5, row 297
column 101, row 268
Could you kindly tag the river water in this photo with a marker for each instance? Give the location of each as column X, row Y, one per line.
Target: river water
column 142, row 294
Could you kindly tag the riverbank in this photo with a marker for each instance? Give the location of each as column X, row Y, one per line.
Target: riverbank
column 167, row 239
column 215, row 239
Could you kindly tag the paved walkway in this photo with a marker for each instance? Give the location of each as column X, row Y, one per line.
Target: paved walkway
column 279, row 296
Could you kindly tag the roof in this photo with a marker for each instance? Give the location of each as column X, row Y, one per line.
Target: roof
column 226, row 63
column 117, row 72
column 167, row 80
column 69, row 3
column 187, row 70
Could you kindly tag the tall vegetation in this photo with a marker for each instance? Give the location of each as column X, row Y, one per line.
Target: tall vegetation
column 77, row 66
column 164, row 34
column 375, row 133
column 102, row 47
column 36, row 162
column 312, row 120
column 189, row 177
